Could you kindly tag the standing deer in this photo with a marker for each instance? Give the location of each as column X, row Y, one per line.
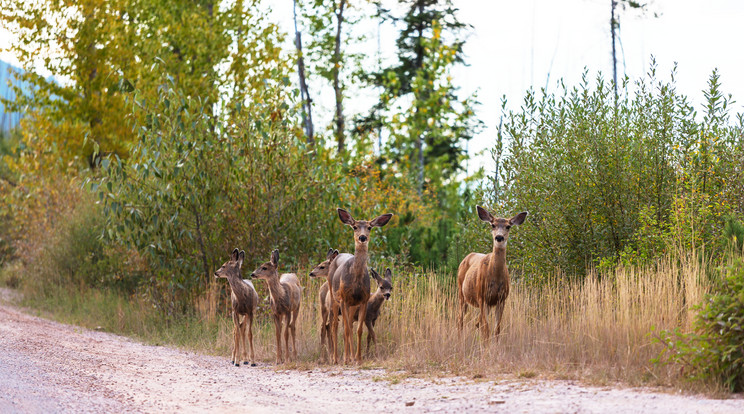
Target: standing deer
column 374, row 305
column 483, row 279
column 321, row 270
column 350, row 285
column 285, row 293
column 244, row 301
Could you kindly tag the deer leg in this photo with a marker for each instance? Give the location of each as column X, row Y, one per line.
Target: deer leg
column 236, row 344
column 333, row 340
column 286, row 336
column 370, row 334
column 463, row 309
column 250, row 338
column 323, row 335
column 294, row 337
column 347, row 332
column 484, row 320
column 242, row 339
column 360, row 330
column 499, row 314
column 278, row 325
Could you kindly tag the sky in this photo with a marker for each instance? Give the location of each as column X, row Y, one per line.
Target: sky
column 517, row 45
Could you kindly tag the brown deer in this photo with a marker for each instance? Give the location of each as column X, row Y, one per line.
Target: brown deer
column 244, row 301
column 321, row 270
column 285, row 292
column 483, row 279
column 374, row 305
column 350, row 284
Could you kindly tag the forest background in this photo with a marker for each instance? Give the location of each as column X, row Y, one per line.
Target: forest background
column 173, row 132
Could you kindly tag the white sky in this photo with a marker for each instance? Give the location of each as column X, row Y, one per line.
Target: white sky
column 516, row 44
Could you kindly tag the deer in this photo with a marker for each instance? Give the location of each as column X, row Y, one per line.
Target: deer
column 374, row 305
column 285, row 293
column 349, row 283
column 483, row 279
column 244, row 302
column 321, row 270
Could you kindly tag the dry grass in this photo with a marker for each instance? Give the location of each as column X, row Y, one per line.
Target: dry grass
column 596, row 329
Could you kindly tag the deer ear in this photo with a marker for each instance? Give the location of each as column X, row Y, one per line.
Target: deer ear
column 332, row 255
column 375, row 276
column 275, row 257
column 483, row 214
column 518, row 219
column 241, row 257
column 389, row 274
column 235, row 255
column 345, row 217
column 381, row 220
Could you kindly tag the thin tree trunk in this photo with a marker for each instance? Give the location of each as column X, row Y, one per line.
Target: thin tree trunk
column 307, row 117
column 199, row 239
column 336, row 82
column 419, row 64
column 613, row 28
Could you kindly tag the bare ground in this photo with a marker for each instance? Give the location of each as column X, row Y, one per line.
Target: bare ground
column 51, row 367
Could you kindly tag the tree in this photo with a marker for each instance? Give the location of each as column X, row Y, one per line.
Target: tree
column 615, row 26
column 428, row 46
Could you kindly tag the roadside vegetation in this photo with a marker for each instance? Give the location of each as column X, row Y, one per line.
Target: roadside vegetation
column 127, row 185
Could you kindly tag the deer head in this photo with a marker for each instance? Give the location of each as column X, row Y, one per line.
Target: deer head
column 384, row 285
column 322, row 269
column 232, row 266
column 362, row 228
column 500, row 226
column 268, row 269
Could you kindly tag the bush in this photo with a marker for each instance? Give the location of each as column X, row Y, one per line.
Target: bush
column 714, row 350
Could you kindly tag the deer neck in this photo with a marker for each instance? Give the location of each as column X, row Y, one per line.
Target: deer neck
column 276, row 290
column 360, row 260
column 497, row 264
column 238, row 287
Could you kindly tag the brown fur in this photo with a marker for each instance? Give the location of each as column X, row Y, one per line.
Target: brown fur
column 321, row 270
column 483, row 279
column 349, row 282
column 244, row 302
column 285, row 292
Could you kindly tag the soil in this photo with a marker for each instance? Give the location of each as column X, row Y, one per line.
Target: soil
column 50, row 367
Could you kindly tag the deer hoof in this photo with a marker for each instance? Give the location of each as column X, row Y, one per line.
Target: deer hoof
column 237, row 364
column 245, row 362
column 253, row 364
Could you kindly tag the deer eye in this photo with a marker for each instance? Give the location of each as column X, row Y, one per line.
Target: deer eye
column 355, row 227
column 263, row 268
column 493, row 226
column 322, row 267
column 508, row 227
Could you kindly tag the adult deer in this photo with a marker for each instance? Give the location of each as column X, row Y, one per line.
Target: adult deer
column 349, row 281
column 483, row 279
column 244, row 301
column 285, row 292
column 321, row 270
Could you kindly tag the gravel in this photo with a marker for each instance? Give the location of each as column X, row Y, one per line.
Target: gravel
column 51, row 367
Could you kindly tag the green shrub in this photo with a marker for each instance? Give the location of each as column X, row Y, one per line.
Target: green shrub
column 715, row 350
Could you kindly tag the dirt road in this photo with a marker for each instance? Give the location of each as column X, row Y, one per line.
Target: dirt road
column 50, row 367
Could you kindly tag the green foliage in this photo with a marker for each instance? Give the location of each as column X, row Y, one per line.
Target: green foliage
column 733, row 232
column 608, row 181
column 714, row 350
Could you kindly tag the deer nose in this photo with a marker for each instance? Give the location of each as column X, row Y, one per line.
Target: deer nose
column 362, row 238
column 387, row 296
column 499, row 238
column 253, row 275
column 312, row 274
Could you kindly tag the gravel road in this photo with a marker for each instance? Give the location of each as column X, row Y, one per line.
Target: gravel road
column 50, row 367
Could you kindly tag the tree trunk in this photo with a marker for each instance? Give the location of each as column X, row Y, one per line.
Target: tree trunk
column 307, row 117
column 336, row 82
column 613, row 28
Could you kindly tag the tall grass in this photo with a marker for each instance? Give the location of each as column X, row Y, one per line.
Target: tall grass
column 596, row 328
